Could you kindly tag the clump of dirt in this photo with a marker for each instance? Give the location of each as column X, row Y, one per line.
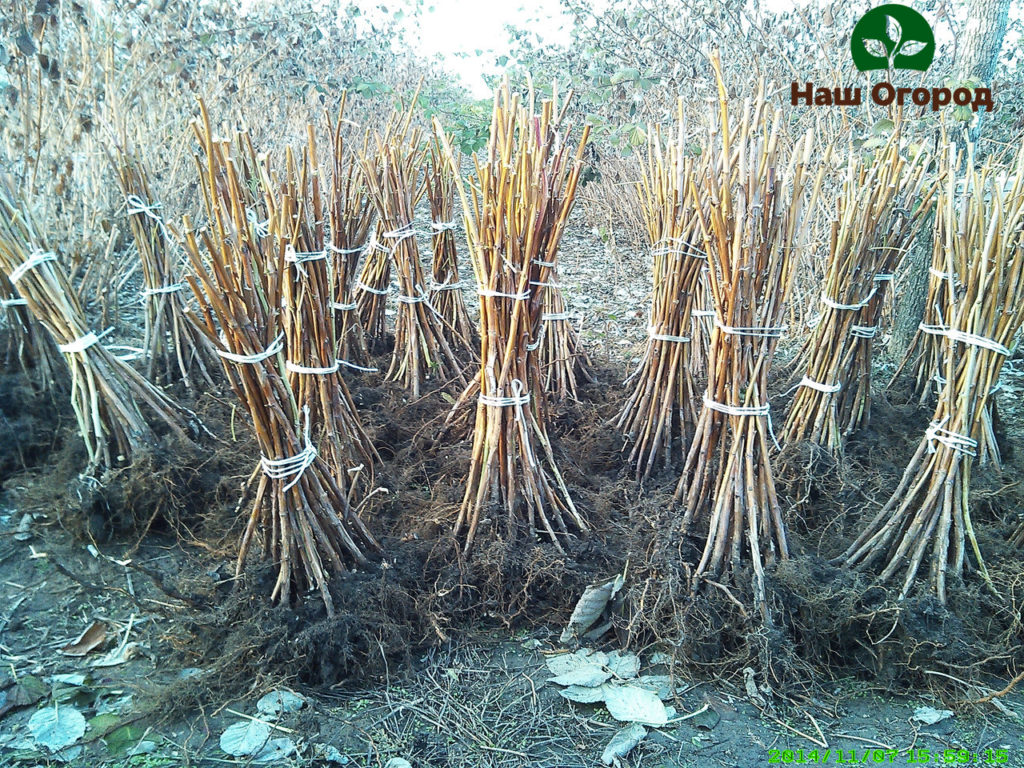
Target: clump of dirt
column 30, row 424
column 422, row 595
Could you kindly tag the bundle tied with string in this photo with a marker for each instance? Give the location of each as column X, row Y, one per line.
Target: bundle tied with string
column 311, row 361
column 446, row 286
column 28, row 345
column 563, row 360
column 755, row 229
column 422, row 348
column 106, row 393
column 173, row 349
column 878, row 211
column 658, row 417
column 264, row 301
column 701, row 324
column 983, row 240
column 350, row 214
column 515, row 211
column 372, row 288
column 925, row 355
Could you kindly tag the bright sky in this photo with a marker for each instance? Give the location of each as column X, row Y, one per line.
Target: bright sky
column 458, row 26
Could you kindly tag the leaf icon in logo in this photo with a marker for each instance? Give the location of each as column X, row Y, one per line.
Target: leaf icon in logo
column 875, row 47
column 911, row 47
column 894, row 29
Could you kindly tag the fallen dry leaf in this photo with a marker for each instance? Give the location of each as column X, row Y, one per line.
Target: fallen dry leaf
column 90, row 640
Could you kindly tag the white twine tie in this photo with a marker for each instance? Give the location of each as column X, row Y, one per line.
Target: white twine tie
column 952, row 440
column 744, row 410
column 353, row 366
column 82, row 343
column 292, row 466
column 258, row 357
column 311, row 371
column 967, row 338
column 370, row 289
column 342, row 251
column 764, row 332
column 863, row 331
column 261, row 228
column 400, row 234
column 828, row 389
column 652, row 333
column 514, row 296
column 173, row 288
column 33, row 261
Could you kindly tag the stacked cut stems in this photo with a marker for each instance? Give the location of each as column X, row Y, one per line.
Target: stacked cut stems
column 754, row 229
column 926, row 349
column 372, row 288
column 173, row 348
column 106, row 393
column 659, row 415
column 27, row 340
column 563, row 361
column 263, row 312
column 925, row 354
column 422, row 349
column 351, row 216
column 928, row 346
column 983, row 247
column 314, row 370
column 515, row 213
column 446, row 286
column 878, row 211
column 702, row 322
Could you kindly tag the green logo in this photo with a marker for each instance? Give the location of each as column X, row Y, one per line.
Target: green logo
column 892, row 36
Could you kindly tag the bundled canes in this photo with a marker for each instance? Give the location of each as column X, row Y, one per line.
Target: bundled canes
column 879, row 209
column 515, row 213
column 754, row 228
column 105, row 391
column 983, row 248
column 422, row 349
column 659, row 415
column 446, row 286
column 263, row 287
column 174, row 349
column 350, row 214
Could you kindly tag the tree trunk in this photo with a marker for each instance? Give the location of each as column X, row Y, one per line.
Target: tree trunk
column 912, row 292
column 980, row 43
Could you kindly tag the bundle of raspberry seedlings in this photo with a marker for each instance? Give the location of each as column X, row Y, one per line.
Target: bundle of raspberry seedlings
column 982, row 247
